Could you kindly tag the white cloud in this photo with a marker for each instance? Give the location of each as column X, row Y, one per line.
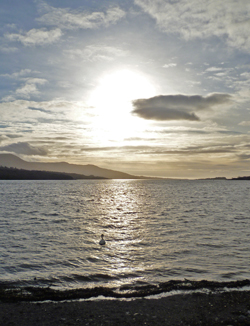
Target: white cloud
column 36, row 36
column 8, row 49
column 244, row 123
column 24, row 148
column 23, row 110
column 214, row 69
column 170, row 65
column 73, row 19
column 203, row 18
column 3, row 138
column 8, row 98
column 18, row 74
column 28, row 84
column 30, row 87
column 63, row 18
column 96, row 52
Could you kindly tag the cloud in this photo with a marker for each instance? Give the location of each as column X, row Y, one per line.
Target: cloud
column 98, row 52
column 7, row 137
column 244, row 157
column 24, row 148
column 41, row 110
column 36, row 36
column 3, row 138
column 27, row 111
column 8, row 49
column 244, row 123
column 62, row 18
column 214, row 69
column 18, row 74
column 229, row 20
column 191, row 150
column 8, row 98
column 162, row 150
column 185, row 131
column 170, row 65
column 30, row 87
column 162, row 114
column 66, row 18
column 177, row 107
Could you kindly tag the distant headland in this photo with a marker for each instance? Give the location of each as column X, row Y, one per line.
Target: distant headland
column 224, row 178
column 76, row 171
column 13, row 167
column 21, row 174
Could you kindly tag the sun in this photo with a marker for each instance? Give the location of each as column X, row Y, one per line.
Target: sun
column 112, row 102
column 122, row 85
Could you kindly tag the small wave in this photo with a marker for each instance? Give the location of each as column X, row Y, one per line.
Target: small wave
column 88, row 199
column 59, row 221
column 29, row 212
column 10, row 293
column 51, row 214
column 92, row 259
column 130, row 213
column 99, row 277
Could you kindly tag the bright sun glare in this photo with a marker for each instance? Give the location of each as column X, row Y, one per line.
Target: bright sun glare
column 112, row 101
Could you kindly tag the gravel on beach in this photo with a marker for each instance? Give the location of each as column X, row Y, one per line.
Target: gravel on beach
column 228, row 308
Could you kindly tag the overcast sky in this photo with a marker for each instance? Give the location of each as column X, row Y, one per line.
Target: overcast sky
column 147, row 87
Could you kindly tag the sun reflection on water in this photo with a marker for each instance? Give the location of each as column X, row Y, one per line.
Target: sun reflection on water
column 155, row 231
column 119, row 219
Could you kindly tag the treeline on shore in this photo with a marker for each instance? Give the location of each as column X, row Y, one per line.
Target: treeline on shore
column 241, row 178
column 21, row 174
column 224, row 178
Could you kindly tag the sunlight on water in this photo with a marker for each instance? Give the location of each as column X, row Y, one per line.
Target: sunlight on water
column 118, row 218
column 155, row 231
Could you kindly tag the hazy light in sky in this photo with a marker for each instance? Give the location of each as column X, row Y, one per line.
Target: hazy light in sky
column 112, row 103
column 145, row 87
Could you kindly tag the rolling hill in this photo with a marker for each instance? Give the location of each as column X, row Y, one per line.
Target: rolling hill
column 10, row 160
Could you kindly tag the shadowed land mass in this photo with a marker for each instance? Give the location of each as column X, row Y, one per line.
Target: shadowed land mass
column 14, row 168
column 21, row 174
column 9, row 160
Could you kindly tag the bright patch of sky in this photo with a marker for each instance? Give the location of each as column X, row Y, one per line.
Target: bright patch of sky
column 146, row 87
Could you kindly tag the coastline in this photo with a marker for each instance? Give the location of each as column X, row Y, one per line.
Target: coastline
column 227, row 308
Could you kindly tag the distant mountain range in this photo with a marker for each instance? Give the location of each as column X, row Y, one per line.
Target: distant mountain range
column 73, row 171
column 21, row 174
column 10, row 160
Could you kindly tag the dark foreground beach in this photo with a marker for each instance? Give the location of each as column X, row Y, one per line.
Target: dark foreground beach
column 230, row 308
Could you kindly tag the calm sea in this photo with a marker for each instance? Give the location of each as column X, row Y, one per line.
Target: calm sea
column 156, row 231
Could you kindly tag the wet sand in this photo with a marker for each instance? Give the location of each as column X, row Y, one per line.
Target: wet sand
column 231, row 308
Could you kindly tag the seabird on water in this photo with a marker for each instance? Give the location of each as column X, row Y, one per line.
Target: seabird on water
column 102, row 241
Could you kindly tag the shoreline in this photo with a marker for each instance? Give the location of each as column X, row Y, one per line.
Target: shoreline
column 226, row 308
column 11, row 293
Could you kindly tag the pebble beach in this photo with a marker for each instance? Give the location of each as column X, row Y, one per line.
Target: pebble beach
column 228, row 308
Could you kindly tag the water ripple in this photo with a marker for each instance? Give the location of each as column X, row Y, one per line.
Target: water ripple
column 155, row 231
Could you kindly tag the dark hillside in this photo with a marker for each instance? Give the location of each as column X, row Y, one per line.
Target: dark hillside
column 20, row 174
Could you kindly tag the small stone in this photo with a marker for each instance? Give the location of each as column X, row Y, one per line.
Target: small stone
column 241, row 317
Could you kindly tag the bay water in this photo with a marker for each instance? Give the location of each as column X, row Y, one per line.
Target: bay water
column 156, row 231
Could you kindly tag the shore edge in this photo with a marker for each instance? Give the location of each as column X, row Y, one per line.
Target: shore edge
column 227, row 308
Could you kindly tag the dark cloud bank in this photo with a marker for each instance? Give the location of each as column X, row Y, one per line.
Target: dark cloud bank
column 177, row 107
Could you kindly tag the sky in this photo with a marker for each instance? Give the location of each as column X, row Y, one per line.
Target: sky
column 148, row 87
